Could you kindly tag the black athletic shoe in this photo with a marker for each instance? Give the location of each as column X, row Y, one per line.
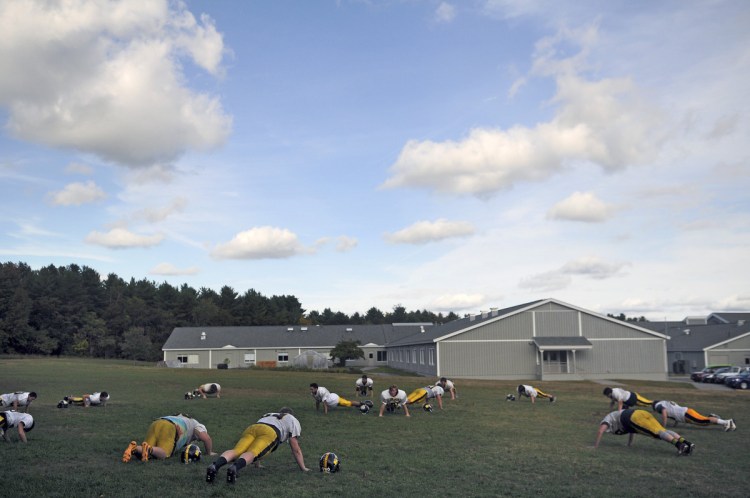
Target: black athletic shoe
column 231, row 475
column 211, row 473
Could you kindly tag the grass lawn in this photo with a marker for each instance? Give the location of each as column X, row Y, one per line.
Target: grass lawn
column 479, row 445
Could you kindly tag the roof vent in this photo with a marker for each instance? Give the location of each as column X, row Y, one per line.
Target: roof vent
column 740, row 323
column 349, row 329
column 303, row 329
column 493, row 311
column 687, row 331
column 484, row 314
column 203, row 336
column 421, row 328
column 471, row 317
column 290, row 329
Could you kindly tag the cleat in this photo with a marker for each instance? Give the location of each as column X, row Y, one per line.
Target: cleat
column 553, row 399
column 129, row 452
column 730, row 426
column 145, row 451
column 211, row 473
column 231, row 475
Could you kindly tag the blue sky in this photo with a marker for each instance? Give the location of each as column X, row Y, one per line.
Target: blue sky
column 449, row 156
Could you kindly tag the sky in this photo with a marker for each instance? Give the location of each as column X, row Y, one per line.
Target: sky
column 435, row 155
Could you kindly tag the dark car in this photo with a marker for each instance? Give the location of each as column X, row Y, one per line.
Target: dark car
column 698, row 376
column 711, row 377
column 741, row 381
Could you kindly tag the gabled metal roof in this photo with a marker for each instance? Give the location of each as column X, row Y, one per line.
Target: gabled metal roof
column 562, row 343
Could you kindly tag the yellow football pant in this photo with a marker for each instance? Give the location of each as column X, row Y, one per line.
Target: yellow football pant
column 417, row 396
column 644, row 423
column 258, row 439
column 344, row 402
column 162, row 433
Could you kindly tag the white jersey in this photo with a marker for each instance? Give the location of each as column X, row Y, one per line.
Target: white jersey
column 12, row 419
column 674, row 411
column 399, row 398
column 8, row 399
column 620, row 394
column 321, row 393
column 359, row 382
column 96, row 399
column 434, row 391
column 286, row 423
column 448, row 385
column 528, row 391
column 613, row 422
column 211, row 388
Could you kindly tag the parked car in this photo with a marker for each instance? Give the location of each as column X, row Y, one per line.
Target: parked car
column 719, row 378
column 698, row 376
column 741, row 381
column 711, row 377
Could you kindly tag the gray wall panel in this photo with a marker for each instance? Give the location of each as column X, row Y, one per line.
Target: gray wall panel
column 556, row 323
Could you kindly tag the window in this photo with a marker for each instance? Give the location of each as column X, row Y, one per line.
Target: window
column 382, row 355
column 190, row 359
column 282, row 357
column 414, row 355
column 421, row 356
column 371, row 356
column 250, row 358
column 182, row 358
column 431, row 356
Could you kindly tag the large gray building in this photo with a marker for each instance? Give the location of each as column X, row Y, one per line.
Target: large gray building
column 545, row 340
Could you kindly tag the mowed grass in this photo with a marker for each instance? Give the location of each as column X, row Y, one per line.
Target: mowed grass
column 479, row 445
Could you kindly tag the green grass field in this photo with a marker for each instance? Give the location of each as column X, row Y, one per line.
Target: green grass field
column 479, row 445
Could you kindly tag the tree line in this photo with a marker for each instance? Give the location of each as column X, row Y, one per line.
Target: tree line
column 71, row 310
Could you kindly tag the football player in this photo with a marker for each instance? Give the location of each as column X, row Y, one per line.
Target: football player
column 624, row 398
column 426, row 394
column 393, row 399
column 18, row 399
column 533, row 393
column 23, row 422
column 670, row 409
column 96, row 399
column 168, row 436
column 213, row 389
column 259, row 440
column 363, row 386
column 448, row 386
column 632, row 422
column 321, row 395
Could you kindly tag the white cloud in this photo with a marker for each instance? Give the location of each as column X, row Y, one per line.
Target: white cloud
column 563, row 277
column 155, row 215
column 261, row 243
column 121, row 238
column 724, row 126
column 423, row 232
column 453, row 302
column 345, row 243
column 170, row 269
column 75, row 194
column 445, row 12
column 603, row 122
column 581, row 206
column 106, row 78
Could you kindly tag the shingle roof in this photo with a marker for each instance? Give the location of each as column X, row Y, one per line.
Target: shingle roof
column 279, row 336
column 697, row 336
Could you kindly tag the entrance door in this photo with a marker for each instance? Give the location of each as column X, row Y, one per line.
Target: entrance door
column 555, row 362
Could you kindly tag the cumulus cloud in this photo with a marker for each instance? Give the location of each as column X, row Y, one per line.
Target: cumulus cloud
column 581, row 206
column 107, row 78
column 261, row 243
column 589, row 267
column 122, row 238
column 603, row 122
column 170, row 269
column 445, row 12
column 345, row 243
column 75, row 194
column 423, row 232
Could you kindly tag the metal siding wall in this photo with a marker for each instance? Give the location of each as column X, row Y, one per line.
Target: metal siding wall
column 598, row 328
column 487, row 359
column 514, row 327
column 622, row 357
column 556, row 323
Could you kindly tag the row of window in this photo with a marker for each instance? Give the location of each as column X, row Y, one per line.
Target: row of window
column 410, row 356
column 281, row 357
